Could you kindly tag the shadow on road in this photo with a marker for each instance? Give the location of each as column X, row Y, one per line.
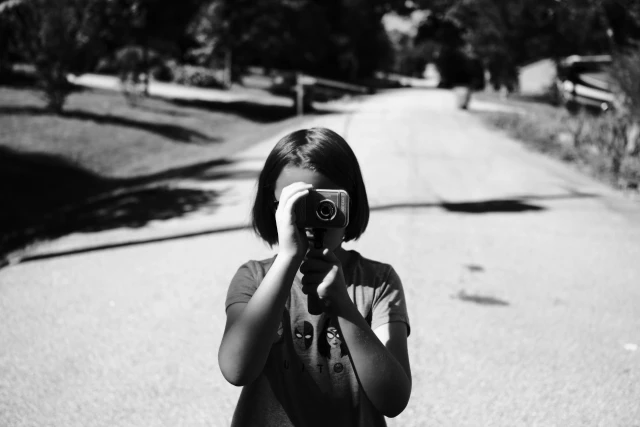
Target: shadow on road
column 479, row 299
column 479, row 207
column 510, row 205
column 196, row 200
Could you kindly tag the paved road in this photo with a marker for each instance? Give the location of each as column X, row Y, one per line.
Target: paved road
column 522, row 278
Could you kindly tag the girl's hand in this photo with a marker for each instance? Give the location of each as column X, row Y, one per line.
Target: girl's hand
column 322, row 273
column 291, row 239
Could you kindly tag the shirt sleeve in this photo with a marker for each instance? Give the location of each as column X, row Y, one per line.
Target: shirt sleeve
column 243, row 285
column 389, row 304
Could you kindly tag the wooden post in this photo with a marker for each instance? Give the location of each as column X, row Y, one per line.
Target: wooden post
column 227, row 68
column 299, row 95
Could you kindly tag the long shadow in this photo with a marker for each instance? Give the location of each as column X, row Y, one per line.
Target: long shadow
column 509, row 205
column 254, row 111
column 205, row 171
column 478, row 207
column 168, row 130
column 251, row 111
column 45, row 197
column 479, row 299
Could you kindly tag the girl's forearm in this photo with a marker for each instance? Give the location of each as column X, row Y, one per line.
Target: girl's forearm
column 381, row 376
column 246, row 344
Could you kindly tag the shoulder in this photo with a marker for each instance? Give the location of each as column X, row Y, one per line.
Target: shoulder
column 255, row 268
column 379, row 269
column 375, row 276
column 246, row 280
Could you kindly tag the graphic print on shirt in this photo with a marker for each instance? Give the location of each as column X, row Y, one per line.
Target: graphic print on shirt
column 278, row 337
column 303, row 334
column 330, row 343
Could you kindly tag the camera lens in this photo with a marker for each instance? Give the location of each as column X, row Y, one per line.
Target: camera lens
column 326, row 210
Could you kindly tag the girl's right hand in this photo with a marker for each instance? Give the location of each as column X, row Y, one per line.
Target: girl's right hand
column 291, row 239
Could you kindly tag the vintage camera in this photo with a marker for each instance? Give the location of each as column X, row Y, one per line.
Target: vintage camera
column 323, row 209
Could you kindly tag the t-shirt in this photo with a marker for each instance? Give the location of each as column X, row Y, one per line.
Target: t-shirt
column 308, row 379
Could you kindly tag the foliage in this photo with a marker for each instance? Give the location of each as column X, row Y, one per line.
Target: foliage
column 59, row 38
column 190, row 75
column 335, row 38
column 625, row 71
column 506, row 35
column 606, row 145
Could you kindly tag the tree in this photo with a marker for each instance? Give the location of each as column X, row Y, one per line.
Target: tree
column 58, row 38
column 333, row 38
column 508, row 34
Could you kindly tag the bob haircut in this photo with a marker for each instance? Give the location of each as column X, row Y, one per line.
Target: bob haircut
column 320, row 150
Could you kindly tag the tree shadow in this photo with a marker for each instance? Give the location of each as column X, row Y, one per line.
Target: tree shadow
column 46, row 197
column 476, row 207
column 254, row 111
column 479, row 299
column 508, row 205
column 491, row 206
column 167, row 130
column 260, row 113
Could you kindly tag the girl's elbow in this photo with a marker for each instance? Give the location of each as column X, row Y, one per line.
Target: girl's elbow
column 236, row 376
column 396, row 405
column 395, row 410
column 232, row 371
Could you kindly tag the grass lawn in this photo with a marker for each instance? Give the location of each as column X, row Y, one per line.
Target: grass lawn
column 52, row 168
column 552, row 130
column 101, row 133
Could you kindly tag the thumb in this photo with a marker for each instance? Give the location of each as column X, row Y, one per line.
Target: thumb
column 329, row 256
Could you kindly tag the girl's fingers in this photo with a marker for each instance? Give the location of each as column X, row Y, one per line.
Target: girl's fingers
column 288, row 191
column 309, row 289
column 313, row 264
column 292, row 199
column 312, row 279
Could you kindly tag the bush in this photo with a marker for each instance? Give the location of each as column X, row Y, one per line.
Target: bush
column 607, row 144
column 162, row 73
column 190, row 75
column 625, row 70
column 59, row 38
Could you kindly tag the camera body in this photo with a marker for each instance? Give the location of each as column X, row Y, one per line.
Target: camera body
column 323, row 209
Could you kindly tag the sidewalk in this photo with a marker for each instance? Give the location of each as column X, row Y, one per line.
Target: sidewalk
column 232, row 209
column 235, row 192
column 175, row 91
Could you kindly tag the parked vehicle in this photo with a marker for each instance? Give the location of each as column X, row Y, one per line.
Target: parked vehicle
column 583, row 82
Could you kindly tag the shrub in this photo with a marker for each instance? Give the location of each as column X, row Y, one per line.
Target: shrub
column 162, row 72
column 58, row 38
column 604, row 143
column 190, row 75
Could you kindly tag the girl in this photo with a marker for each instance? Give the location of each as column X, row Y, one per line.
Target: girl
column 347, row 366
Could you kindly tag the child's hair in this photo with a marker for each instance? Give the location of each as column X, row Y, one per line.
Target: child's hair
column 320, row 150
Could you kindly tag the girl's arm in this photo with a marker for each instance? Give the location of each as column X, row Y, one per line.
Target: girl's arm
column 251, row 327
column 380, row 358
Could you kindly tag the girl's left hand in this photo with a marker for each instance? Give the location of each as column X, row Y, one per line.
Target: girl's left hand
column 322, row 273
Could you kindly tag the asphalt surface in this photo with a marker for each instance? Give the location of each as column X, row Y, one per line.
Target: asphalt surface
column 522, row 278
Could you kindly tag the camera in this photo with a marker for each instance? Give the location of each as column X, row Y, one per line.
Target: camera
column 323, row 209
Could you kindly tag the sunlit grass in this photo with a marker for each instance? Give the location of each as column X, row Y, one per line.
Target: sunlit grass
column 582, row 140
column 100, row 132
